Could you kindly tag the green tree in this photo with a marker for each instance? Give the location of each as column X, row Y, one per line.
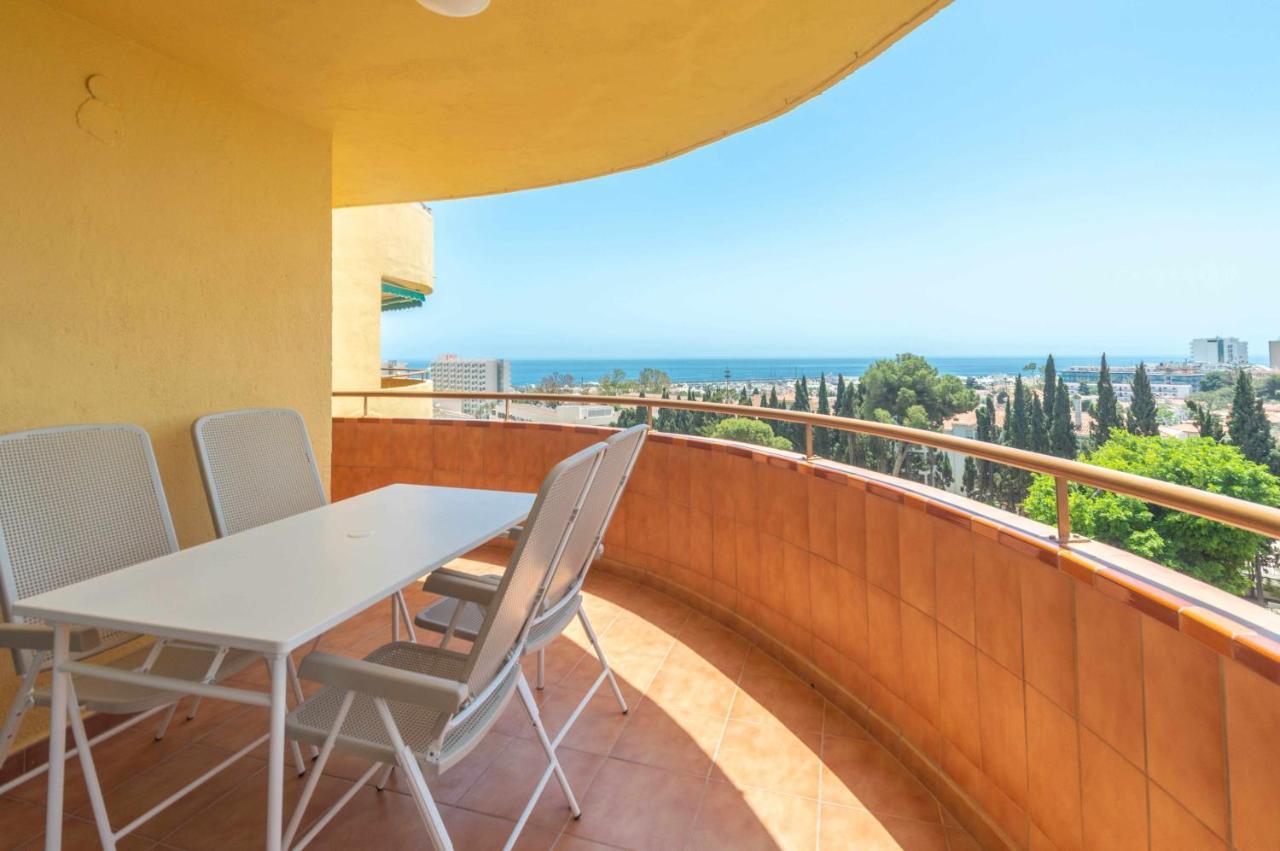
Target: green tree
column 556, row 382
column 1270, row 389
column 653, row 380
column 1106, row 413
column 823, row 438
column 746, row 430
column 1142, row 410
column 616, row 383
column 1013, row 482
column 909, row 391
column 628, row 417
column 1203, row 548
column 1215, row 381
column 1039, row 425
column 1050, row 391
column 1062, row 434
column 1247, row 423
column 986, row 430
column 1209, row 423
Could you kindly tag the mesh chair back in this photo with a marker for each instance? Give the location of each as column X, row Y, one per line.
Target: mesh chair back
column 620, row 457
column 541, row 545
column 257, row 466
column 75, row 503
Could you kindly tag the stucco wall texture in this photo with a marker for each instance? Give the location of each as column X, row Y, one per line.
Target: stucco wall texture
column 165, row 250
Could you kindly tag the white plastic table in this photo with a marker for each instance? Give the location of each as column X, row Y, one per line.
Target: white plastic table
column 271, row 590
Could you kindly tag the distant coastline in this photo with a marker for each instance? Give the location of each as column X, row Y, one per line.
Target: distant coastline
column 770, row 370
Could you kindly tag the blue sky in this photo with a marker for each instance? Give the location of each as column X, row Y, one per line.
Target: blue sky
column 1011, row 177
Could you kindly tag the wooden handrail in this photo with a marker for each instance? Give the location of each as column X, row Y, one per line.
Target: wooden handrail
column 1239, row 513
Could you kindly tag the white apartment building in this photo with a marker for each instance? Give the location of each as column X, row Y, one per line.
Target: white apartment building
column 1273, row 349
column 1219, row 351
column 451, row 373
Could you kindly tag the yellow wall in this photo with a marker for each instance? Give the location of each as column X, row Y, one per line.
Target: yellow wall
column 394, row 241
column 164, row 248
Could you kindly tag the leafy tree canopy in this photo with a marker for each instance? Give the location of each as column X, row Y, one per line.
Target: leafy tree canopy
column 1215, row 381
column 1205, row 549
column 746, row 430
column 653, row 380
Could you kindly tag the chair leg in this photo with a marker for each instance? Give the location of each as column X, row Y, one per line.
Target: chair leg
column 542, row 668
column 300, row 809
column 402, row 606
column 531, row 708
column 105, row 835
column 195, row 707
column 164, row 722
column 604, row 661
column 408, row 764
column 385, row 777
column 395, row 619
column 22, row 703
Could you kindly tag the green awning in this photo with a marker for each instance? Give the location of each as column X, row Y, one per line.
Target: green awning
column 396, row 297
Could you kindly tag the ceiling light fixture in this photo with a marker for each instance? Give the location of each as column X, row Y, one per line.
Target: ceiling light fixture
column 455, row 8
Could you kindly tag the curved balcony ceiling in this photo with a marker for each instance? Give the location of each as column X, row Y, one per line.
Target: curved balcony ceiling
column 528, row 93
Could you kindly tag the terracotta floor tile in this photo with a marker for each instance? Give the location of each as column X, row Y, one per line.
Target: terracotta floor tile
column 504, row 787
column 771, row 757
column 594, row 731
column 447, row 788
column 761, row 664
column 610, row 814
column 469, row 829
column 117, row 759
column 147, row 788
column 633, row 635
column 836, row 724
column 576, row 843
column 700, row 689
column 852, row 828
column 239, row 819
column 21, row 821
column 655, row 737
column 561, row 656
column 772, row 700
column 863, row 774
column 703, row 639
column 634, row 672
column 81, row 835
column 744, row 819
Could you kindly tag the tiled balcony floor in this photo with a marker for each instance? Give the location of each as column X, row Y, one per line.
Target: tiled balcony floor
column 722, row 749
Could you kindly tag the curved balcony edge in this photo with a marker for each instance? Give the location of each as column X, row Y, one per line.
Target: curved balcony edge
column 1003, row 670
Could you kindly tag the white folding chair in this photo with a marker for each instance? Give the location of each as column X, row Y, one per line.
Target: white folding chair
column 422, row 708
column 258, row 466
column 75, row 503
column 466, row 596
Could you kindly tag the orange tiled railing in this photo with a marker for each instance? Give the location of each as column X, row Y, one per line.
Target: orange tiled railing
column 1042, row 693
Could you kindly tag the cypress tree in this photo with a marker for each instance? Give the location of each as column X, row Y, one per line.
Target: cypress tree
column 1062, row 436
column 773, row 397
column 1050, row 391
column 988, row 431
column 1105, row 414
column 823, row 437
column 840, row 391
column 1018, row 426
column 969, row 481
column 1039, row 424
column 1142, row 411
column 801, row 402
column 1247, row 423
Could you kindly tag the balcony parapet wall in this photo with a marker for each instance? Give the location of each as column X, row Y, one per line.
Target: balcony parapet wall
column 1081, row 696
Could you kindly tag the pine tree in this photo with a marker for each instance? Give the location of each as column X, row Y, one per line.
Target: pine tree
column 1106, row 415
column 1050, row 392
column 823, row 437
column 1142, row 411
column 1062, row 435
column 1247, row 423
column 1209, row 423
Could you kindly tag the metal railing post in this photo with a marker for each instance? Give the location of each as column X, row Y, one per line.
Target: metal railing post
column 649, row 414
column 808, row 440
column 1062, row 486
column 506, row 409
column 366, row 406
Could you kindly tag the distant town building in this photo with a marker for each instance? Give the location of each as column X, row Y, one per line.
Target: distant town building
column 1168, row 381
column 586, row 414
column 1219, row 352
column 453, row 374
column 1274, row 350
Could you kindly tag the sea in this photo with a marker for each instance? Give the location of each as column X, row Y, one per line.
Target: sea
column 525, row 373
